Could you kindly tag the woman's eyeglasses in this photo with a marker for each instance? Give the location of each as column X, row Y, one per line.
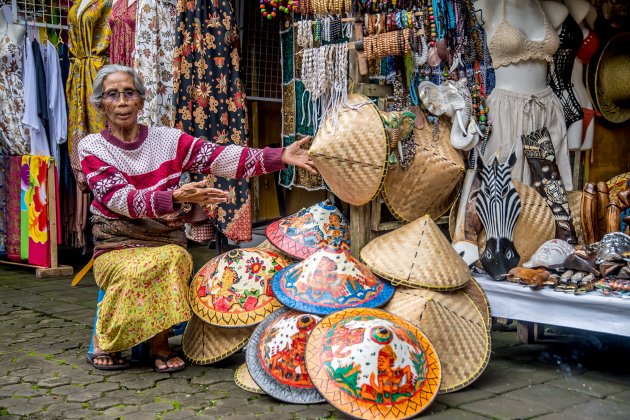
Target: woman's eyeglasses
column 114, row 95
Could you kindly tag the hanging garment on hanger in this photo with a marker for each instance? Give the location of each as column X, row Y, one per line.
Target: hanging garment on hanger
column 154, row 49
column 42, row 89
column 14, row 136
column 123, row 24
column 57, row 111
column 210, row 84
column 13, row 217
column 37, row 207
column 39, row 141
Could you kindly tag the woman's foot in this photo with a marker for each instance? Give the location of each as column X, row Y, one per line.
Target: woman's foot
column 164, row 359
column 103, row 360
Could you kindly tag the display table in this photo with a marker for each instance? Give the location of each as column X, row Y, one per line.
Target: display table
column 591, row 311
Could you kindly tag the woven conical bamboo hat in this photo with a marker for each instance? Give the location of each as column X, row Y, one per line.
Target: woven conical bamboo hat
column 476, row 293
column 244, row 380
column 351, row 153
column 203, row 343
column 417, row 255
column 455, row 326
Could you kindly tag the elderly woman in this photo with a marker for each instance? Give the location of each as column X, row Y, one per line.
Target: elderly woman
column 139, row 258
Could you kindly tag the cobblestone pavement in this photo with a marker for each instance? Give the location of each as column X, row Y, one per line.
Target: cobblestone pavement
column 45, row 328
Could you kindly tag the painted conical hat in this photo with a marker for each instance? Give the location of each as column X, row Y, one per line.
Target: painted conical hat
column 275, row 357
column 417, row 255
column 243, row 379
column 233, row 289
column 307, row 231
column 455, row 326
column 428, row 185
column 350, row 151
column 371, row 364
column 204, row 343
column 329, row 280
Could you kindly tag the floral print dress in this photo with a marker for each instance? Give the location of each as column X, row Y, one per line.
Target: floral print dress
column 14, row 136
column 210, row 97
column 123, row 24
column 155, row 46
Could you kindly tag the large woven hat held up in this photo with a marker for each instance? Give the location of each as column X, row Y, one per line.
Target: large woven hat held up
column 456, row 327
column 428, row 185
column 351, row 153
column 417, row 255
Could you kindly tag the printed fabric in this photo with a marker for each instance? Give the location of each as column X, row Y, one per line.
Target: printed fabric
column 37, row 208
column 123, row 25
column 146, row 292
column 155, row 46
column 4, row 169
column 210, row 98
column 14, row 192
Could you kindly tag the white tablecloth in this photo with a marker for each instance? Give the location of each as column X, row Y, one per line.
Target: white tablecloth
column 591, row 311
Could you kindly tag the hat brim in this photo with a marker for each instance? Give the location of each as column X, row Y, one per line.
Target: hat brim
column 609, row 109
column 204, row 344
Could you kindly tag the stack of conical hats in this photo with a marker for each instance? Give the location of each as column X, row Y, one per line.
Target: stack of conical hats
column 437, row 294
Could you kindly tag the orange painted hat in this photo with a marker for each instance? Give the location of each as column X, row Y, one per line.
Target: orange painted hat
column 234, row 289
column 371, row 364
column 310, row 229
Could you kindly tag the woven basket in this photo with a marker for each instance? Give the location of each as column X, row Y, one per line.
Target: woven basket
column 575, row 202
column 204, row 344
column 429, row 184
column 351, row 154
column 244, row 380
column 417, row 255
column 534, row 226
column 455, row 326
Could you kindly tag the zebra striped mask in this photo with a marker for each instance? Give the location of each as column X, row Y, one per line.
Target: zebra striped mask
column 498, row 206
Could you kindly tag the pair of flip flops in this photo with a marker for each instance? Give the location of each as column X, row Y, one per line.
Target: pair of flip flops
column 115, row 357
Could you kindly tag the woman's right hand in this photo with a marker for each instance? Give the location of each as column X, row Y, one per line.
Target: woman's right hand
column 199, row 193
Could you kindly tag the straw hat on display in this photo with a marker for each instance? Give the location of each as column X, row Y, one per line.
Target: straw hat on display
column 310, row 229
column 243, row 379
column 204, row 344
column 417, row 255
column 276, row 357
column 234, row 290
column 429, row 184
column 371, row 364
column 351, row 152
column 455, row 326
column 328, row 281
column 608, row 79
column 476, row 293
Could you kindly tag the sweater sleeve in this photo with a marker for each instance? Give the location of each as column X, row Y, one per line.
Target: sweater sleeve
column 229, row 161
column 112, row 190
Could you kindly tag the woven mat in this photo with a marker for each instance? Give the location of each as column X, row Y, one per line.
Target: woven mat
column 417, row 255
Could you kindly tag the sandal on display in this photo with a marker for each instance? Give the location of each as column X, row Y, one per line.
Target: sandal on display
column 114, row 357
column 165, row 360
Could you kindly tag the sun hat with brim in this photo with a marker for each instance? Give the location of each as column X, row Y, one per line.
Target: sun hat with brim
column 204, row 344
column 244, row 380
column 429, row 184
column 329, row 280
column 455, row 327
column 350, row 151
column 534, row 226
column 608, row 79
column 371, row 364
column 233, row 289
column 275, row 357
column 417, row 255
column 310, row 229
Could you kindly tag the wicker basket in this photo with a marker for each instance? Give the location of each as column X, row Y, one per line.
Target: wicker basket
column 429, row 184
column 351, row 153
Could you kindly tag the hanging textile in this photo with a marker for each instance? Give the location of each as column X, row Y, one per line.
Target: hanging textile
column 4, row 168
column 57, row 111
column 42, row 95
column 210, row 97
column 295, row 102
column 123, row 24
column 14, row 191
column 155, row 46
column 24, row 196
column 14, row 136
column 88, row 36
column 39, row 141
column 37, row 204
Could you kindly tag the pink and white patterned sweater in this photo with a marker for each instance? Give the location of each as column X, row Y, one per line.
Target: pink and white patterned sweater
column 136, row 180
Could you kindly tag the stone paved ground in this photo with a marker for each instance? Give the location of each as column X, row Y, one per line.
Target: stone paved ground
column 45, row 327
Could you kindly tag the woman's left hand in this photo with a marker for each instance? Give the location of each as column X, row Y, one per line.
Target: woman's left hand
column 296, row 156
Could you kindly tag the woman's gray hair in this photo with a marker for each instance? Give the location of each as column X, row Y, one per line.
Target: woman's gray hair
column 97, row 86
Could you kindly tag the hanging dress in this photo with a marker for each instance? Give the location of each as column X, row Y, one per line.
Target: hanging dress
column 155, row 46
column 14, row 136
column 123, row 24
column 210, row 97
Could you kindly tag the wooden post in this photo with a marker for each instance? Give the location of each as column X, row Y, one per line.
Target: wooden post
column 360, row 232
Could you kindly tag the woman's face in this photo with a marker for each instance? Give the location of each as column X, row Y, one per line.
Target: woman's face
column 121, row 101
